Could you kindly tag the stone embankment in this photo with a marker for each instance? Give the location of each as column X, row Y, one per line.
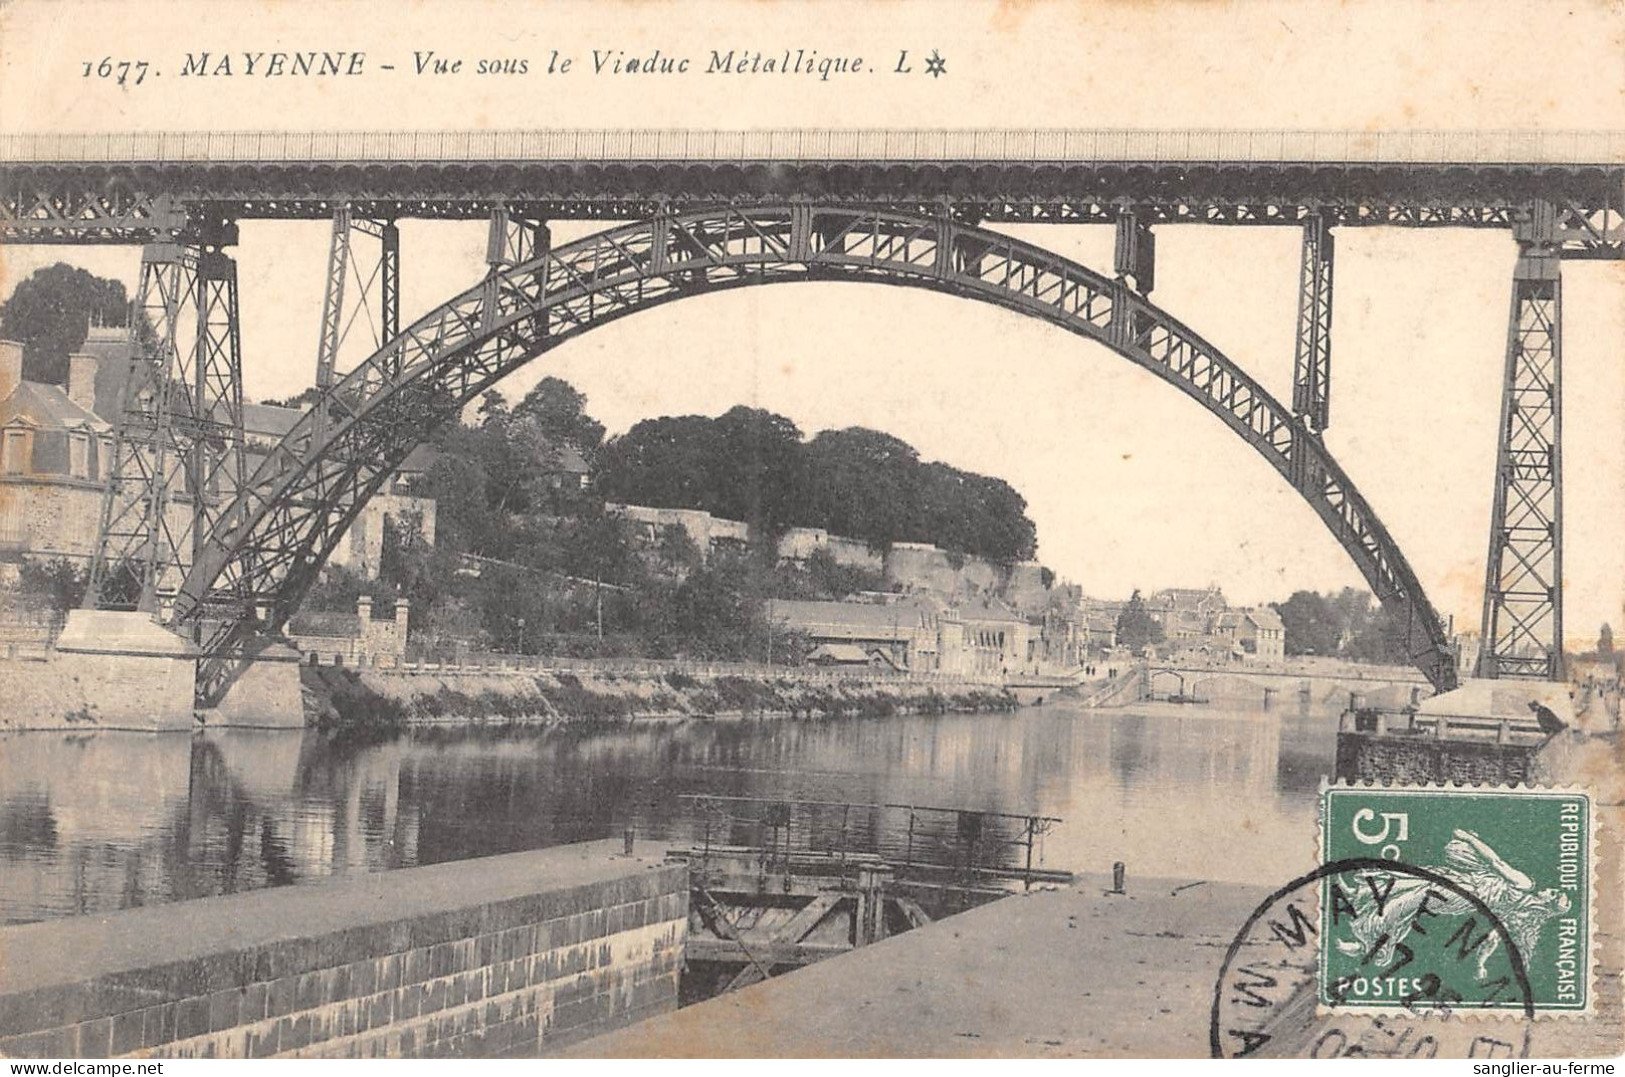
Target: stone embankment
column 517, row 955
column 349, row 700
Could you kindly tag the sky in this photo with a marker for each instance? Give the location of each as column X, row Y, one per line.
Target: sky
column 1130, row 483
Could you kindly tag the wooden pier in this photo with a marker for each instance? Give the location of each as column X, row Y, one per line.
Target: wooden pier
column 806, row 888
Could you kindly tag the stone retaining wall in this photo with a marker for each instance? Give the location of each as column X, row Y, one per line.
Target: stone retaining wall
column 512, row 955
column 1422, row 760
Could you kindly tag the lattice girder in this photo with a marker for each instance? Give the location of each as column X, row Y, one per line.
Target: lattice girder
column 382, row 410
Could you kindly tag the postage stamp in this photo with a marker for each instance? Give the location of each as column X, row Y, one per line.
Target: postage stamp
column 1497, row 882
column 1266, row 1002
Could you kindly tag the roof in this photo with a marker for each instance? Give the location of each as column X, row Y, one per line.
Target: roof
column 1267, row 618
column 47, row 407
column 989, row 609
column 569, row 460
column 269, row 420
column 272, row 422
column 1187, row 597
column 839, row 652
column 849, row 620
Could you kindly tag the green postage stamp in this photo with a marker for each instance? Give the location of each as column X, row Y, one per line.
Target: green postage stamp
column 1487, row 904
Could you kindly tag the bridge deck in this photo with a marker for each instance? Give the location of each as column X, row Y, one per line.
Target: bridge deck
column 1208, row 146
column 132, row 187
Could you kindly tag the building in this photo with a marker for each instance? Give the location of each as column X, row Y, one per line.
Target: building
column 1261, row 635
column 54, row 455
column 997, row 640
column 906, row 632
column 567, row 469
column 56, row 448
column 920, row 633
column 1186, row 613
column 708, row 533
column 851, row 656
column 1469, row 645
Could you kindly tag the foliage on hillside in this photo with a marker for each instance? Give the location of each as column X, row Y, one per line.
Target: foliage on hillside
column 753, row 465
column 527, row 561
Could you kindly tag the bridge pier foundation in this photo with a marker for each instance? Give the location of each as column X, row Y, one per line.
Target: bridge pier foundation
column 133, row 674
column 266, row 694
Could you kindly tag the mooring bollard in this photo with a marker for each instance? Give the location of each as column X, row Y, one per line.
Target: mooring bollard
column 629, row 836
column 1119, row 872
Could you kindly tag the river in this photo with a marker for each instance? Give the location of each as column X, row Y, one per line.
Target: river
column 95, row 822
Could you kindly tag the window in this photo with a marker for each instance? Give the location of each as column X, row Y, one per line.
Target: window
column 15, row 454
column 79, row 456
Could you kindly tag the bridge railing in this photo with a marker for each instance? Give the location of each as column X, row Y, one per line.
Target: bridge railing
column 826, row 144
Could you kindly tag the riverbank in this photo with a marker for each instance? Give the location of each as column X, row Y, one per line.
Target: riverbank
column 364, row 701
column 1101, row 974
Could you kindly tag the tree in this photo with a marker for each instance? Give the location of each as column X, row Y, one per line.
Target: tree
column 560, row 416
column 57, row 584
column 1311, row 622
column 50, row 314
column 865, row 486
column 1605, row 641
column 666, row 463
column 1136, row 628
column 300, row 400
column 759, row 474
column 753, row 465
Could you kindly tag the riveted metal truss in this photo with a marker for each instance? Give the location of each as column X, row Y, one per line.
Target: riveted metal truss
column 291, row 514
column 1312, row 357
column 178, row 441
column 358, row 276
column 73, row 213
column 345, row 277
column 1523, row 591
column 127, row 202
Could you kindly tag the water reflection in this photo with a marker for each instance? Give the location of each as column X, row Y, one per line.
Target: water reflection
column 96, row 822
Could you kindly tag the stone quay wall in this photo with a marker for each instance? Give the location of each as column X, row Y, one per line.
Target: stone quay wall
column 516, row 955
column 1426, row 760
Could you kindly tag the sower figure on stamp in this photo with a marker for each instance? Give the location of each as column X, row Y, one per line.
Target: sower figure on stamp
column 1384, row 921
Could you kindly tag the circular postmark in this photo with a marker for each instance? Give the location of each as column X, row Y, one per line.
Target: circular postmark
column 1374, row 958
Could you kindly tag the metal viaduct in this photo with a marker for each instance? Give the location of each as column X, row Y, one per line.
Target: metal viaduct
column 717, row 210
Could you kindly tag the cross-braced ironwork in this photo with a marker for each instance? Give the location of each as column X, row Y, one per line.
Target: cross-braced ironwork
column 345, row 279
column 1312, row 361
column 178, row 441
column 291, row 514
column 1523, row 593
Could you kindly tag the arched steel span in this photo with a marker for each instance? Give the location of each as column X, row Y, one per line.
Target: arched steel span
column 267, row 548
